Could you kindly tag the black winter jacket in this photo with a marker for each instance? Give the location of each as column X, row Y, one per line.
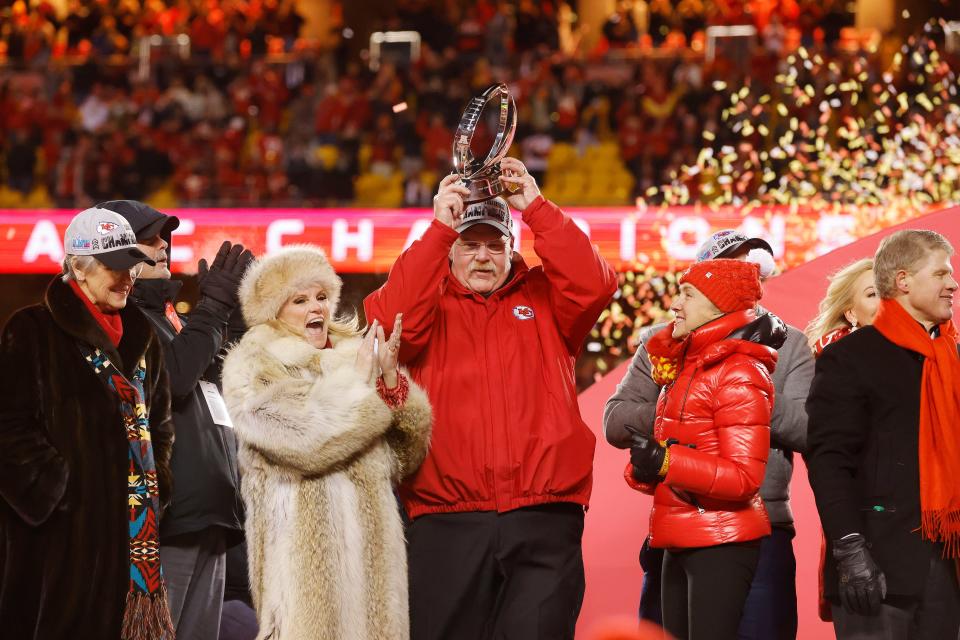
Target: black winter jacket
column 863, row 456
column 206, row 478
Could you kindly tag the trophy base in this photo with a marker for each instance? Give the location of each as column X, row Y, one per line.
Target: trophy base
column 483, row 187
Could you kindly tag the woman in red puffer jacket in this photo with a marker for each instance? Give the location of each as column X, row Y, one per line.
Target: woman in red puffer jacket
column 711, row 437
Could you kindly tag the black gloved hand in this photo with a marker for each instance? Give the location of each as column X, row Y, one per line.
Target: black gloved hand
column 221, row 280
column 646, row 456
column 862, row 585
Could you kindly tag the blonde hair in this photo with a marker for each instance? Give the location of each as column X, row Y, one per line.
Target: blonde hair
column 902, row 251
column 345, row 326
column 838, row 300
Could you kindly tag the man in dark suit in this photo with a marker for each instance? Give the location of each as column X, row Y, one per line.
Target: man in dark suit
column 883, row 452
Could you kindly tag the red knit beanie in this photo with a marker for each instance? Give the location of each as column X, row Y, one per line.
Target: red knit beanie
column 731, row 285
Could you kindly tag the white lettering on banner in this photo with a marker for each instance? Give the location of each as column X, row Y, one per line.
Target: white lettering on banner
column 834, row 232
column 628, row 239
column 775, row 234
column 182, row 252
column 678, row 247
column 44, row 241
column 361, row 239
column 416, row 231
column 282, row 227
column 583, row 225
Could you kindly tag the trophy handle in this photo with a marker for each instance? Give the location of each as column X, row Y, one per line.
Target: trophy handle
column 463, row 160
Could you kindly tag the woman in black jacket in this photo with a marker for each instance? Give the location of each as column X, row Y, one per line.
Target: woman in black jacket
column 85, row 437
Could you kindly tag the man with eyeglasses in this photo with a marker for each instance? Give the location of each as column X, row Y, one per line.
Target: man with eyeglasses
column 497, row 506
column 205, row 516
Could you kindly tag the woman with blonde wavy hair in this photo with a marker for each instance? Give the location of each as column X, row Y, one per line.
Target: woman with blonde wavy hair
column 327, row 424
column 851, row 302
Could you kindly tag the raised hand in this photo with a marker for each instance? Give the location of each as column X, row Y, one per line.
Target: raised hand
column 221, row 280
column 522, row 189
column 366, row 362
column 389, row 352
column 448, row 204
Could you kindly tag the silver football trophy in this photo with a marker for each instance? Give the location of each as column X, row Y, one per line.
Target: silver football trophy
column 482, row 177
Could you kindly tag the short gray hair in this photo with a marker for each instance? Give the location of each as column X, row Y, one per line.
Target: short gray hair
column 903, row 251
column 71, row 264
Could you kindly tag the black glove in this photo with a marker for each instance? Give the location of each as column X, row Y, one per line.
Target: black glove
column 862, row 585
column 221, row 280
column 646, row 456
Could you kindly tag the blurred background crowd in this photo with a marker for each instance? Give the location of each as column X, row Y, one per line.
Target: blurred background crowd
column 226, row 102
column 280, row 103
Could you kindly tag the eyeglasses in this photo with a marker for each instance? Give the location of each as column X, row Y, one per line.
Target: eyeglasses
column 494, row 247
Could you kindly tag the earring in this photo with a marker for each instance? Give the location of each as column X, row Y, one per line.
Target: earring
column 853, row 324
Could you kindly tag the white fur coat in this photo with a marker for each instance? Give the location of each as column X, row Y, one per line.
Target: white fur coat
column 319, row 450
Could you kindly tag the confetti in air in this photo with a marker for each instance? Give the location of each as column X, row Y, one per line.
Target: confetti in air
column 872, row 134
column 837, row 135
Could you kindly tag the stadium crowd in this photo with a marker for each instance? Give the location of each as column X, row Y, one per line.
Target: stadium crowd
column 258, row 115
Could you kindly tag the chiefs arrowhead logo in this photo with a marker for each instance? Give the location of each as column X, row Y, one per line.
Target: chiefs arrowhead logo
column 106, row 228
column 523, row 312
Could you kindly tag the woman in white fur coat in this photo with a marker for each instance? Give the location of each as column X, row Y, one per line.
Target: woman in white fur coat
column 325, row 425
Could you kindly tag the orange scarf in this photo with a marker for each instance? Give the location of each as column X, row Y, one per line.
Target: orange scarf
column 939, row 421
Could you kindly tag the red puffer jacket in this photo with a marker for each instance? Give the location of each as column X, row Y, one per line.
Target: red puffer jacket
column 718, row 413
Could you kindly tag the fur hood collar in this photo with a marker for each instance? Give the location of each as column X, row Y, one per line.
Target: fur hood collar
column 292, row 350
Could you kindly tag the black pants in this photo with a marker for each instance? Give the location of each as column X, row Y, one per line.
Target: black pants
column 934, row 615
column 704, row 589
column 770, row 612
column 484, row 575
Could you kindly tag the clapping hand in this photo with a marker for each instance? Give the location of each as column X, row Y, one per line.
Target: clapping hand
column 389, row 352
column 366, row 363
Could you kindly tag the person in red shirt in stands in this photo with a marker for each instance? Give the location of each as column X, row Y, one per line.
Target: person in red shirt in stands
column 498, row 504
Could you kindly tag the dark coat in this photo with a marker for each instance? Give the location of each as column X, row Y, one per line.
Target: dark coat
column 863, row 455
column 64, row 542
column 206, row 490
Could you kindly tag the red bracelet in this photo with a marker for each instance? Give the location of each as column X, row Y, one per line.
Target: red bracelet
column 396, row 397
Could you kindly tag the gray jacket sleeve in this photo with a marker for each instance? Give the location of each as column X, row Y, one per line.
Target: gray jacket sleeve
column 635, row 401
column 791, row 378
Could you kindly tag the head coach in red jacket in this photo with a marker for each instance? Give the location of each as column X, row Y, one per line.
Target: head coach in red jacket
column 498, row 504
column 708, row 454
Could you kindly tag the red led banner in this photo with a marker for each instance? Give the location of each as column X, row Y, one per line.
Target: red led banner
column 369, row 240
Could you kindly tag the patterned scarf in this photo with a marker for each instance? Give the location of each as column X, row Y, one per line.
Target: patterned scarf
column 666, row 355
column 146, row 615
column 939, row 417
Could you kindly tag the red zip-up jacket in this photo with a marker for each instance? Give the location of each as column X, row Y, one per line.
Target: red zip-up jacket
column 499, row 371
column 718, row 413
